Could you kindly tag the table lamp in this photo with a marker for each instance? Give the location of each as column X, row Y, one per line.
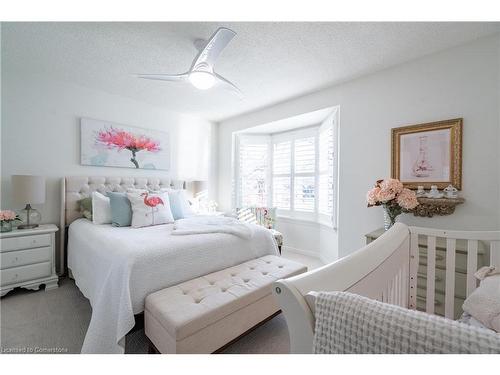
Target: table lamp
column 28, row 190
column 199, row 188
column 199, row 191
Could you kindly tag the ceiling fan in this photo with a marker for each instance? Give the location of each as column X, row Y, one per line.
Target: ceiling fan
column 201, row 74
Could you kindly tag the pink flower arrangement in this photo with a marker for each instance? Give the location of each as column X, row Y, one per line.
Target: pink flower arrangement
column 407, row 199
column 8, row 216
column 121, row 140
column 389, row 190
column 395, row 199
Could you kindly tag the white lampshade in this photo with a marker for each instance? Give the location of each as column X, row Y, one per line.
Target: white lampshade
column 28, row 189
column 198, row 186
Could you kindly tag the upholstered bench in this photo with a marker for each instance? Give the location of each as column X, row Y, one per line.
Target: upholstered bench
column 206, row 313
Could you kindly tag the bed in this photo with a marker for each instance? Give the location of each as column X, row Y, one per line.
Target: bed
column 116, row 268
column 384, row 270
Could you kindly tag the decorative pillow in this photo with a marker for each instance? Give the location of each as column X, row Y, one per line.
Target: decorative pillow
column 150, row 209
column 85, row 207
column 101, row 209
column 121, row 210
column 179, row 204
column 484, row 302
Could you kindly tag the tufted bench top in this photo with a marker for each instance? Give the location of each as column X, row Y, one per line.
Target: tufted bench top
column 186, row 308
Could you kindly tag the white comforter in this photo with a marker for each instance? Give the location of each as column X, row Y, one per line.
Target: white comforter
column 212, row 224
column 116, row 268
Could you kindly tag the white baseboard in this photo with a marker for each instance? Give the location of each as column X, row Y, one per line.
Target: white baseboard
column 302, row 252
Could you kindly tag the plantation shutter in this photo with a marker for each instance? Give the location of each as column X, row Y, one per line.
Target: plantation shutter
column 304, row 174
column 253, row 169
column 282, row 175
column 327, row 183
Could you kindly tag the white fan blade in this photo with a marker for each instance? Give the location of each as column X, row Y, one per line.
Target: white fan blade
column 164, row 77
column 229, row 85
column 214, row 47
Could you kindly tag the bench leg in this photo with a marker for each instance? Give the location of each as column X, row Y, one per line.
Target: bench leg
column 152, row 348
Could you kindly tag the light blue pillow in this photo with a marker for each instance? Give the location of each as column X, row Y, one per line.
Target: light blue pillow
column 121, row 209
column 179, row 204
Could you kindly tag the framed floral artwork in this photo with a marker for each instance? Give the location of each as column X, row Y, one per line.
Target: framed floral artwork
column 428, row 154
column 107, row 144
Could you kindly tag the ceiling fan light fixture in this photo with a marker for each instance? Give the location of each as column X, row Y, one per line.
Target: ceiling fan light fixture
column 201, row 74
column 202, row 80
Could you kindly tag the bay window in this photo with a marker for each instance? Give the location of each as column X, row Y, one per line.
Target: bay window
column 294, row 171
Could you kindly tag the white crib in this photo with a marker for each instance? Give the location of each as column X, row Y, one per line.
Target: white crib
column 385, row 270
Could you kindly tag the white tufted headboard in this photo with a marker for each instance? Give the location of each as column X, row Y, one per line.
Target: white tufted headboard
column 77, row 187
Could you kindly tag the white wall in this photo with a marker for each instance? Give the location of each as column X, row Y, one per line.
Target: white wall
column 460, row 82
column 40, row 134
column 498, row 78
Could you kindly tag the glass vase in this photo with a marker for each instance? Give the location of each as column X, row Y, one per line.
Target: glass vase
column 5, row 226
column 390, row 217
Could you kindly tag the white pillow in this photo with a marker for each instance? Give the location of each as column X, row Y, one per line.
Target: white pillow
column 101, row 209
column 484, row 303
column 179, row 204
column 150, row 209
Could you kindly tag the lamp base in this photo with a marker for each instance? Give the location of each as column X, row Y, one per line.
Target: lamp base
column 29, row 218
column 25, row 226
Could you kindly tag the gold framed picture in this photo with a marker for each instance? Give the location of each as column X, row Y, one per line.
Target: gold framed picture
column 428, row 154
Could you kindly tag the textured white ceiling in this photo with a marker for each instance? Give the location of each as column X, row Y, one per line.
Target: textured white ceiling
column 270, row 62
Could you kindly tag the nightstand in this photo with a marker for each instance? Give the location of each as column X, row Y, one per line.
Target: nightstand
column 27, row 259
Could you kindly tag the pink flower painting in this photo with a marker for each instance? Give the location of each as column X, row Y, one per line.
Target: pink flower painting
column 122, row 140
column 107, row 144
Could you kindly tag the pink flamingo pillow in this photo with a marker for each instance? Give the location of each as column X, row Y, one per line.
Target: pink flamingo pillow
column 150, row 209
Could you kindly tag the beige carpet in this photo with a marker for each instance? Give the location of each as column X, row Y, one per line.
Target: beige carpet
column 38, row 320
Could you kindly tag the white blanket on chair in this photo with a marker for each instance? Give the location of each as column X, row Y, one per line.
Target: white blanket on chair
column 212, row 224
column 349, row 323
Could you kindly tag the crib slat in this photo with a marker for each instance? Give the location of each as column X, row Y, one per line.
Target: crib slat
column 397, row 284
column 431, row 273
column 413, row 269
column 404, row 302
column 495, row 253
column 471, row 265
column 449, row 306
column 402, row 280
column 395, row 289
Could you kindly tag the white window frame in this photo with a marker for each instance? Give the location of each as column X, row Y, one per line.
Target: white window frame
column 333, row 120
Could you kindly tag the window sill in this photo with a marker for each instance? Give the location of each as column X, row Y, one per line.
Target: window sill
column 310, row 222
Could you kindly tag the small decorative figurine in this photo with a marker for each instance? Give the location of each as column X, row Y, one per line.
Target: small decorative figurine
column 420, row 191
column 434, row 192
column 451, row 192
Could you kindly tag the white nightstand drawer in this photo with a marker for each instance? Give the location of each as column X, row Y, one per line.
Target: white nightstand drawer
column 24, row 257
column 25, row 242
column 25, row 273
